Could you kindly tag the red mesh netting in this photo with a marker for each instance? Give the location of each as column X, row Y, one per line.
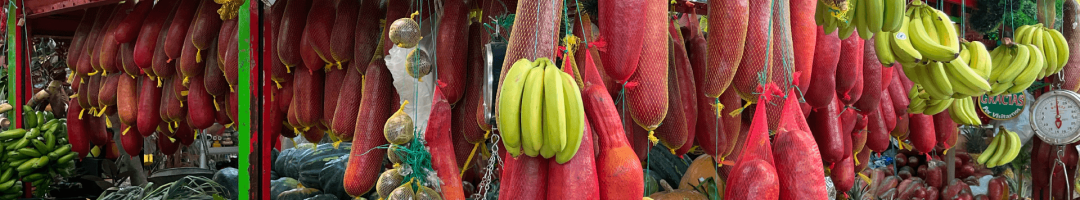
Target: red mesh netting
column 726, row 45
column 620, row 26
column 753, row 176
column 537, row 35
column 798, row 162
column 646, row 91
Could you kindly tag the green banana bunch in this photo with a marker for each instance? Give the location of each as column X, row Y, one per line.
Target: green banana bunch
column 38, row 154
column 868, row 17
column 541, row 112
column 836, row 17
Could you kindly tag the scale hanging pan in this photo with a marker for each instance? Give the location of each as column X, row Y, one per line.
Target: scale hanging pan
column 1056, row 117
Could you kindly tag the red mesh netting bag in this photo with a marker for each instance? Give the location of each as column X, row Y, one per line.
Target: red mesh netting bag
column 726, row 44
column 798, row 162
column 757, row 52
column 753, row 176
column 646, row 91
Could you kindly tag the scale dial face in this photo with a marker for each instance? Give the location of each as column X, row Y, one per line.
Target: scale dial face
column 1056, row 117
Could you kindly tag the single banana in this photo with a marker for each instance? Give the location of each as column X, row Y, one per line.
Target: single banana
column 554, row 109
column 928, row 83
column 1000, row 59
column 882, row 48
column 1014, row 149
column 875, row 15
column 894, row 15
column 1017, row 65
column 964, row 74
column 846, row 30
column 575, row 119
column 927, row 46
column 860, row 21
column 965, row 54
column 999, row 153
column 510, row 104
column 1049, row 49
column 1020, row 33
column 532, row 112
column 1062, row 51
column 984, row 59
column 940, row 79
column 917, row 105
column 999, row 88
column 936, row 107
column 819, row 13
column 928, row 24
column 901, row 44
column 945, row 28
column 1037, row 41
column 989, row 152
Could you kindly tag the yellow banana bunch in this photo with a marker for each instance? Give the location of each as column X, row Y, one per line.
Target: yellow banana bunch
column 1052, row 44
column 932, row 33
column 963, row 112
column 1015, row 66
column 1003, row 149
column 540, row 111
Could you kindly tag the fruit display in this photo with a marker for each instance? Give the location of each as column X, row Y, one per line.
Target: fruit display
column 142, row 81
column 541, row 111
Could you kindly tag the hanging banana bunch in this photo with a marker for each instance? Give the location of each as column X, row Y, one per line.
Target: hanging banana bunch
column 1050, row 41
column 866, row 16
column 1015, row 67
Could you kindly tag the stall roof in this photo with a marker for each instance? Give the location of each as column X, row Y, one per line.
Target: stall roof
column 58, row 18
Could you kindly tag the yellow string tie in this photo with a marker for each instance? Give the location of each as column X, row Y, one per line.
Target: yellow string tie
column 107, row 123
column 102, row 111
column 218, row 108
column 653, row 139
column 287, row 70
column 171, row 139
column 737, row 111
column 125, row 131
column 198, row 56
column 278, row 83
column 186, row 81
column 81, row 112
column 866, row 179
column 473, row 153
column 159, row 82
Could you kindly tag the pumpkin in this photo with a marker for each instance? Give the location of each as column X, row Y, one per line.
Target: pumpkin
column 702, row 167
column 669, row 193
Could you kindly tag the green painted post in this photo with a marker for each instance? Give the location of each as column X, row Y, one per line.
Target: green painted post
column 12, row 51
column 244, row 97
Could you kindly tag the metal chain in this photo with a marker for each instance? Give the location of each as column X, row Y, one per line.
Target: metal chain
column 489, row 171
column 1057, row 161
